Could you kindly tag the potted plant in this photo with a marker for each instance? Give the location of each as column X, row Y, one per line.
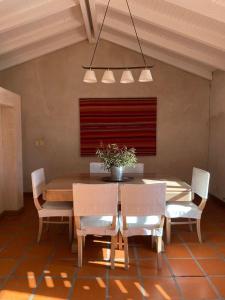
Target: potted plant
column 115, row 158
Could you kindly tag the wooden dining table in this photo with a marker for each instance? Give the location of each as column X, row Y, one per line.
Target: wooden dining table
column 60, row 189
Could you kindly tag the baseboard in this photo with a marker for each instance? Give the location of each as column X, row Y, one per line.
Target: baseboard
column 217, row 200
column 11, row 212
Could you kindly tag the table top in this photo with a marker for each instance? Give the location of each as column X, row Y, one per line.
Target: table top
column 60, row 189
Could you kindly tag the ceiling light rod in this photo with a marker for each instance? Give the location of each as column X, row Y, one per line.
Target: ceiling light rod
column 108, row 76
column 100, row 31
column 116, row 68
column 132, row 19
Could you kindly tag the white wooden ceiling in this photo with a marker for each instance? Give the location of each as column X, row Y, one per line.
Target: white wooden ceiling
column 188, row 34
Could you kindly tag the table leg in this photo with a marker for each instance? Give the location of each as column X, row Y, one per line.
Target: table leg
column 74, row 247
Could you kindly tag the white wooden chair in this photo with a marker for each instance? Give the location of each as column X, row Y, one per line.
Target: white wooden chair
column 142, row 213
column 97, row 167
column 189, row 210
column 49, row 208
column 137, row 169
column 95, row 210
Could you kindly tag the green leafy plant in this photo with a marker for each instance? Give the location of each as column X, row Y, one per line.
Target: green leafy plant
column 113, row 155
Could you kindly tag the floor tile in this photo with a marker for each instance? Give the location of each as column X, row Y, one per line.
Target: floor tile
column 144, row 252
column 6, row 266
column 120, row 270
column 188, row 236
column 213, row 266
column 220, row 248
column 185, row 267
column 161, row 289
column 39, row 250
column 96, row 253
column 64, row 270
column 196, row 288
column 176, row 251
column 88, row 289
column 119, row 254
column 32, row 266
column 13, row 250
column 202, row 250
column 124, row 289
column 93, row 268
column 18, row 289
column 149, row 268
column 52, row 288
column 215, row 237
column 219, row 283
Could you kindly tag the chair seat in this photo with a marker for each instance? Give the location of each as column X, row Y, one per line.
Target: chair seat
column 58, row 205
column 146, row 225
column 183, row 209
column 56, row 209
column 99, row 225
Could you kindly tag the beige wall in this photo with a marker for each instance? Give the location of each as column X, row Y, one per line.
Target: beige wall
column 1, row 160
column 11, row 181
column 217, row 135
column 51, row 85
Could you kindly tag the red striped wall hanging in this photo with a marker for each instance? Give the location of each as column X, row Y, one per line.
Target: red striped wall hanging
column 124, row 121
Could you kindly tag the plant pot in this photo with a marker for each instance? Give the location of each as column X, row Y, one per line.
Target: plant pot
column 117, row 173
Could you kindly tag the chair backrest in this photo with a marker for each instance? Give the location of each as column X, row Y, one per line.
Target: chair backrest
column 95, row 199
column 97, row 167
column 143, row 199
column 38, row 182
column 138, row 168
column 200, row 182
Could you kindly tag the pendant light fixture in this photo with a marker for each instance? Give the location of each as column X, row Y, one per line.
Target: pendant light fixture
column 127, row 77
column 108, row 76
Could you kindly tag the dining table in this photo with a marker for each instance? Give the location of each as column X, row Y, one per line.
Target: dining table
column 60, row 189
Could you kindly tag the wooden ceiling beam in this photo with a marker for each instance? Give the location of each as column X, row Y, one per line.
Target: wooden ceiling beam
column 203, row 55
column 184, row 27
column 159, row 54
column 27, row 15
column 88, row 10
column 43, row 47
column 211, row 9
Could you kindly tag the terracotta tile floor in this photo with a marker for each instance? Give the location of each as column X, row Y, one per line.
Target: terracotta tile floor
column 48, row 271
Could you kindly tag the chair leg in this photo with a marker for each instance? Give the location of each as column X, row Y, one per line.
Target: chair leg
column 159, row 252
column 198, row 224
column 113, row 247
column 126, row 253
column 47, row 225
column 80, row 251
column 153, row 241
column 70, row 228
column 120, row 241
column 190, row 225
column 83, row 240
column 168, row 230
column 40, row 229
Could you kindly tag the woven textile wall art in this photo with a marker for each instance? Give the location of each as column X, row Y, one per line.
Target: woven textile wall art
column 124, row 121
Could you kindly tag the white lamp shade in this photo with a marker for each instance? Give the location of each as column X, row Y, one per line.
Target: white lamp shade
column 108, row 77
column 145, row 76
column 127, row 77
column 90, row 77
